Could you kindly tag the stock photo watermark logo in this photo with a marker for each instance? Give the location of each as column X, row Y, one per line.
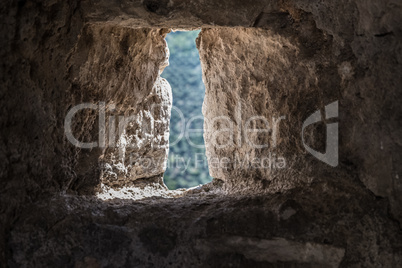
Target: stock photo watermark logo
column 271, row 160
column 330, row 156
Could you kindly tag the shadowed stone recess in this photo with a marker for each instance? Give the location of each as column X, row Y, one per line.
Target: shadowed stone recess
column 62, row 206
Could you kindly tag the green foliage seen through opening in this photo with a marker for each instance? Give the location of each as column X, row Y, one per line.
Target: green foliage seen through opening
column 187, row 165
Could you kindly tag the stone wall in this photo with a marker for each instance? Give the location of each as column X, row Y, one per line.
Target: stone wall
column 293, row 64
column 120, row 68
column 369, row 35
column 281, row 58
column 51, row 62
column 266, row 83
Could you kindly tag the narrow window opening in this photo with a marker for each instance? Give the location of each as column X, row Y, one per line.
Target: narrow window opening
column 187, row 164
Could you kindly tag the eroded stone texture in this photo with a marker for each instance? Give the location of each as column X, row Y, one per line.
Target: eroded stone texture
column 178, row 13
column 36, row 161
column 141, row 151
column 51, row 62
column 297, row 57
column 334, row 225
column 137, row 107
column 305, row 59
column 263, row 84
column 369, row 34
column 120, row 68
column 277, row 250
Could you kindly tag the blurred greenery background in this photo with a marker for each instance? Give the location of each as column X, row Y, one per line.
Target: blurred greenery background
column 187, row 164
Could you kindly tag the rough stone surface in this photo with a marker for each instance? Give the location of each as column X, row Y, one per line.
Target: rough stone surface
column 347, row 226
column 53, row 61
column 287, row 58
column 120, row 68
column 252, row 73
column 291, row 67
column 178, row 13
column 370, row 34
